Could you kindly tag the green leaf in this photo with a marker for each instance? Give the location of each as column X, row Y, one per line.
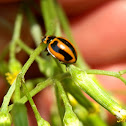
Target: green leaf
column 19, row 115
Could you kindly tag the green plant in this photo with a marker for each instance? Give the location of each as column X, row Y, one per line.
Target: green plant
column 77, row 109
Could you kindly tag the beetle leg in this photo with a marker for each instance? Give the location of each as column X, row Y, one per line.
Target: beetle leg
column 60, row 61
column 45, row 50
column 48, row 54
column 64, row 64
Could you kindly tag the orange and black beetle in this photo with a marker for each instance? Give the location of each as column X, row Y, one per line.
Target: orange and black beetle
column 61, row 48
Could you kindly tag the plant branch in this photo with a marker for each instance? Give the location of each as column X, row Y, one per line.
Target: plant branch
column 108, row 73
column 40, row 86
column 40, row 121
column 16, row 33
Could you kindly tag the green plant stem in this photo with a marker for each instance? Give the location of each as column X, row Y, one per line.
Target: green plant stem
column 40, row 86
column 45, row 13
column 54, row 17
column 33, row 56
column 52, row 10
column 108, row 73
column 7, row 97
column 35, row 28
column 82, row 80
column 17, row 90
column 58, row 30
column 63, row 95
column 16, row 34
column 69, row 117
column 122, row 72
column 58, row 65
column 50, row 23
column 49, row 18
column 45, row 67
column 60, row 107
column 29, row 51
column 70, row 87
column 40, row 121
column 65, row 24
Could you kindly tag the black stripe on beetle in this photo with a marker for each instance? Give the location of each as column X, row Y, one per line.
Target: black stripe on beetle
column 50, row 38
column 54, row 46
column 66, row 55
column 69, row 45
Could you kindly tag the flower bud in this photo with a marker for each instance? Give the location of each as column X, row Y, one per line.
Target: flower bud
column 70, row 119
column 5, row 119
column 14, row 66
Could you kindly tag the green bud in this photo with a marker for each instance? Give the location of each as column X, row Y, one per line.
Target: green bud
column 5, row 119
column 14, row 66
column 70, row 119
